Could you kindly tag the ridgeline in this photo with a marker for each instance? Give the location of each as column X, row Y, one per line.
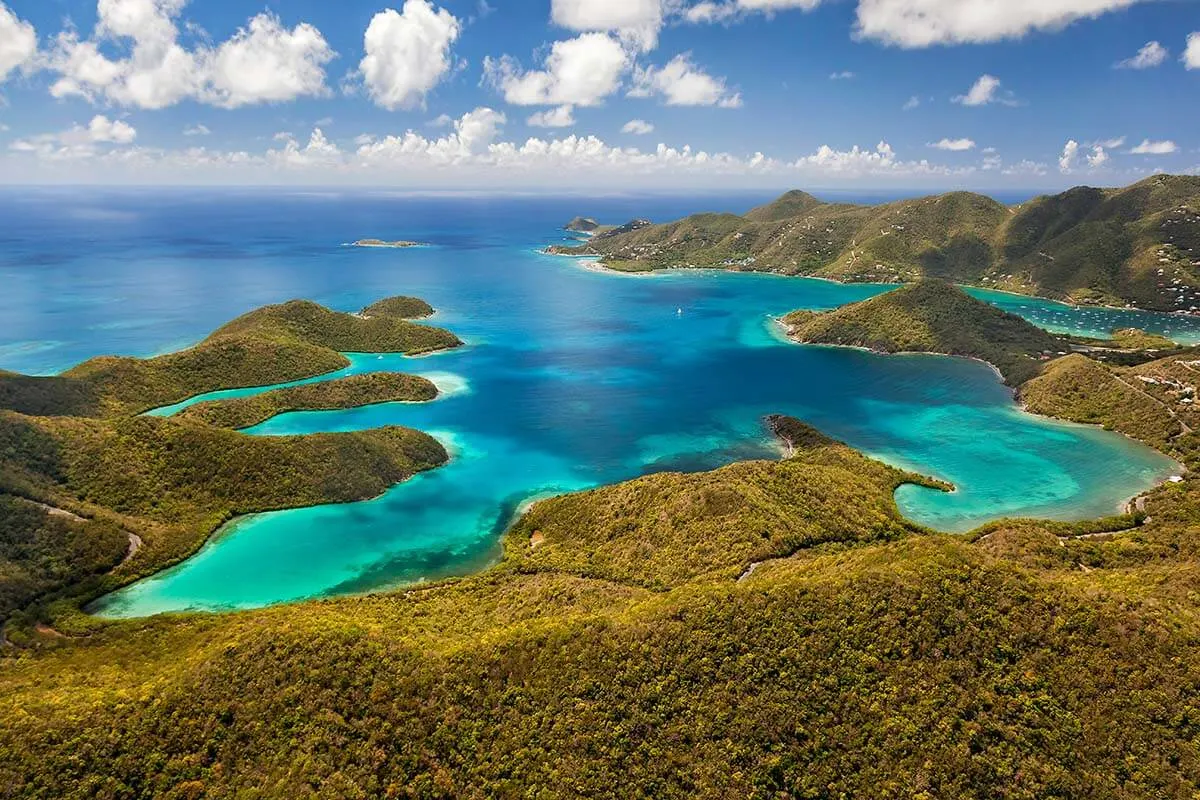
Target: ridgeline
column 350, row 392
column 1139, row 245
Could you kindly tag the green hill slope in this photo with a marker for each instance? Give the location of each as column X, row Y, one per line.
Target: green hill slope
column 105, row 477
column 767, row 630
column 1138, row 245
column 275, row 344
column 891, row 667
column 932, row 317
column 350, row 392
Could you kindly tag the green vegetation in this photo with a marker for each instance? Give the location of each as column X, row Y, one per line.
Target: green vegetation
column 1082, row 390
column 42, row 549
column 767, row 630
column 664, row 530
column 585, row 225
column 174, row 482
column 275, row 344
column 48, row 396
column 1135, row 339
column 1135, row 245
column 82, row 477
column 932, row 317
column 350, row 392
column 606, row 656
column 401, row 307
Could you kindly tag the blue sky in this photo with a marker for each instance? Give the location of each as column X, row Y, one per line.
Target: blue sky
column 583, row 94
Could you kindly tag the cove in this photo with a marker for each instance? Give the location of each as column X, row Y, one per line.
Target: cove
column 571, row 378
column 663, row 373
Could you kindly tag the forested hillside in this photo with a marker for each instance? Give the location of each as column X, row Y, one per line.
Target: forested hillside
column 1139, row 245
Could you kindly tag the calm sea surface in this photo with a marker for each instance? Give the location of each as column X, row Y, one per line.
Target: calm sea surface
column 570, row 379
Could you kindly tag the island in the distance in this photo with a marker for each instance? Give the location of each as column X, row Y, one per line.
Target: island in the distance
column 584, row 225
column 398, row 244
column 1137, row 246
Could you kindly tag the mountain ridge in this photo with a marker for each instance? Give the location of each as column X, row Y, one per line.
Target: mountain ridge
column 1136, row 246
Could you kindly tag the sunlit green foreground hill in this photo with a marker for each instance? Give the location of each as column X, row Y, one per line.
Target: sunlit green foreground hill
column 771, row 629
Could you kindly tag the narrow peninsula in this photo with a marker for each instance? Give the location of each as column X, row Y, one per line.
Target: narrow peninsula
column 342, row 393
column 932, row 316
column 273, row 344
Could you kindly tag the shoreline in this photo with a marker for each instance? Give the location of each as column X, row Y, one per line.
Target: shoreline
column 229, row 527
column 1180, row 469
column 792, row 340
column 661, row 271
column 591, row 264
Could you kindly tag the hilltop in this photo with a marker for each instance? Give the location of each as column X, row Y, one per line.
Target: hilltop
column 932, row 316
column 1138, row 245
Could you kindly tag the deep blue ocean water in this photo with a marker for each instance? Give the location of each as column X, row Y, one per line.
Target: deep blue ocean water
column 571, row 378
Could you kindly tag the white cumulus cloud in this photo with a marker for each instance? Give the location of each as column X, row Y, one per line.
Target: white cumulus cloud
column 103, row 129
column 637, row 127
column 196, row 130
column 473, row 134
column 561, row 117
column 638, row 21
column 407, row 53
column 1066, row 162
column 263, row 62
column 924, row 23
column 1098, row 157
column 1151, row 148
column 577, row 72
column 318, row 152
column 79, row 141
column 18, row 42
column 954, row 145
column 682, row 83
column 709, row 11
column 266, row 63
column 985, row 91
column 1151, row 55
column 1191, row 56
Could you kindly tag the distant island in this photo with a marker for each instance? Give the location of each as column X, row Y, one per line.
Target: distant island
column 381, row 243
column 1137, row 246
column 583, row 225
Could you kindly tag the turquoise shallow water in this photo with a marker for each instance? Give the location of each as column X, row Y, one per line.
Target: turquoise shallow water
column 570, row 379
